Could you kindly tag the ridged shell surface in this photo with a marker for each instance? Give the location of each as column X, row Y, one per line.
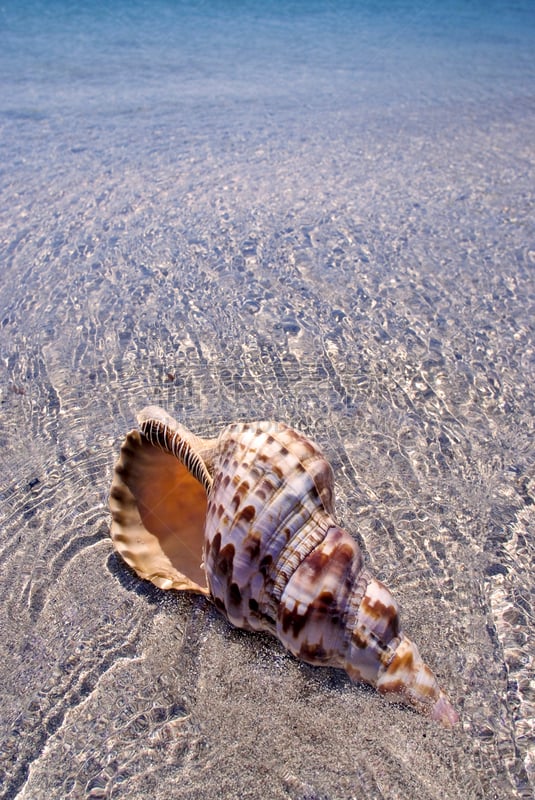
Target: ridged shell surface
column 266, row 512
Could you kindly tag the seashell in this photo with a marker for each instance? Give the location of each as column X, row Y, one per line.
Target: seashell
column 247, row 519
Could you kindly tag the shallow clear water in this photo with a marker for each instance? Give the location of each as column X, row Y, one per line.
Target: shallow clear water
column 321, row 213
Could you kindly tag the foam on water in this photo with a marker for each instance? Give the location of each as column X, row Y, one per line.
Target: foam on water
column 321, row 213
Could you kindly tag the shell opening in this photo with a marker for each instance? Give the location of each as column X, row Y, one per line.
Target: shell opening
column 158, row 516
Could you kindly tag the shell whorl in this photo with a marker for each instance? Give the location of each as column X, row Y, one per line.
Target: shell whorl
column 266, row 513
column 248, row 519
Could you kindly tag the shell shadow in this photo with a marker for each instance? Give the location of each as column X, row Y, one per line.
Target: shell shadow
column 128, row 579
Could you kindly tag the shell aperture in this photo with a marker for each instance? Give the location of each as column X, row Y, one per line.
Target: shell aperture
column 248, row 519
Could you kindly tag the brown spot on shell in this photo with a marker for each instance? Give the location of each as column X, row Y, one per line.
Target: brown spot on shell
column 404, row 661
column 316, row 563
column 225, row 560
column 235, row 594
column 247, row 514
column 322, row 607
column 340, row 557
column 359, row 639
column 385, row 616
column 252, row 544
column 265, row 564
column 291, row 621
column 314, row 653
column 241, row 492
column 266, row 486
column 278, row 471
column 216, row 545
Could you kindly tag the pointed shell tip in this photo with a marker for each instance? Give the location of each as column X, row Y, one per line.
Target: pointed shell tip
column 444, row 712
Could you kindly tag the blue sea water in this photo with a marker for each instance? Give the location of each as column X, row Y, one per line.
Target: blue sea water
column 163, row 62
column 320, row 212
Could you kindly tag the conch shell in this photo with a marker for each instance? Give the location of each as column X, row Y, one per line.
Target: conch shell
column 247, row 519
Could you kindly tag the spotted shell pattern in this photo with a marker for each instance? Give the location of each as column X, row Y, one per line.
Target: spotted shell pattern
column 273, row 557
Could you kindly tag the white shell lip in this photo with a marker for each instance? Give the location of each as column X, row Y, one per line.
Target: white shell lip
column 149, row 413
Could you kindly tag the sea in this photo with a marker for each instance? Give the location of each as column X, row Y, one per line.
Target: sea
column 320, row 213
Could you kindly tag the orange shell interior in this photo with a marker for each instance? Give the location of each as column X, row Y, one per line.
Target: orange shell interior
column 158, row 516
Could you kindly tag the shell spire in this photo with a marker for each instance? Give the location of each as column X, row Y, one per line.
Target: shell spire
column 248, row 520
